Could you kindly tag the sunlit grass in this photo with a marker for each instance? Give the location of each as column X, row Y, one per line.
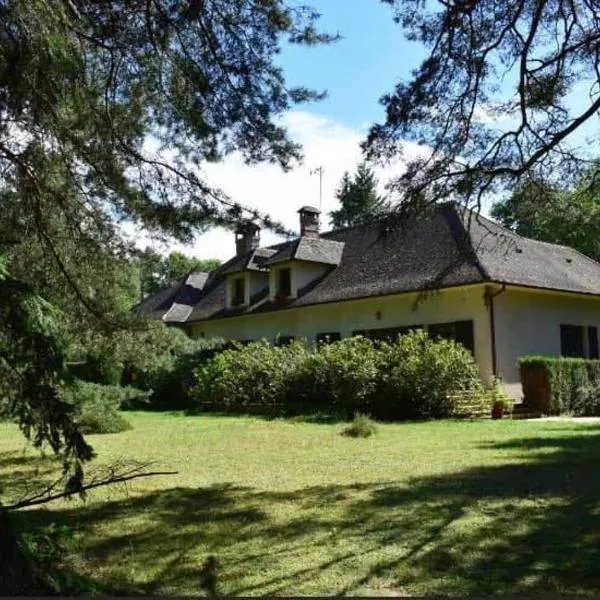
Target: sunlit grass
column 296, row 508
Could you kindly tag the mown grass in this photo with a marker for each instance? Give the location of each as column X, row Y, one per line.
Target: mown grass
column 296, row 508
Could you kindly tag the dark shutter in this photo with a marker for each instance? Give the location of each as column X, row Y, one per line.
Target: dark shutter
column 593, row 342
column 285, row 282
column 571, row 341
column 465, row 335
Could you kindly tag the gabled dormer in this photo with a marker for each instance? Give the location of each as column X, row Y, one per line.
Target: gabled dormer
column 303, row 261
column 246, row 276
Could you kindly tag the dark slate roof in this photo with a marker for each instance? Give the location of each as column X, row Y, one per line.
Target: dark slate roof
column 319, row 250
column 448, row 247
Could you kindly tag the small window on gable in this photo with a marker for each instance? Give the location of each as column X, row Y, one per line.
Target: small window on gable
column 238, row 296
column 284, row 283
column 328, row 338
column 572, row 343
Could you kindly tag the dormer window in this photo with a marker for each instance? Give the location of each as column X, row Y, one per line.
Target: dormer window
column 284, row 283
column 238, row 295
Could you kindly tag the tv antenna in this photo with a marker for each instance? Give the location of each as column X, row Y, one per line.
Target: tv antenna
column 319, row 171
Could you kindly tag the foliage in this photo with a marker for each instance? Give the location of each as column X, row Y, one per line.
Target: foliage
column 491, row 102
column 169, row 375
column 360, row 202
column 158, row 272
column 342, row 375
column 551, row 214
column 413, row 378
column 421, row 377
column 32, row 368
column 256, row 375
column 573, row 384
column 97, row 406
column 362, row 426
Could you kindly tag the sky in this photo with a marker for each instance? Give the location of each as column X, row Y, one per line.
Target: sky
column 356, row 71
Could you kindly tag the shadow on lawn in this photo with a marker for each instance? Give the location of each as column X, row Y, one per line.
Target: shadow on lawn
column 522, row 528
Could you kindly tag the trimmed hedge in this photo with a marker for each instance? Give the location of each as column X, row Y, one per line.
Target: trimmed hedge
column 556, row 386
column 413, row 378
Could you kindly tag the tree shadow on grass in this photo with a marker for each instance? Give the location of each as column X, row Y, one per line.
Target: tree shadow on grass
column 528, row 527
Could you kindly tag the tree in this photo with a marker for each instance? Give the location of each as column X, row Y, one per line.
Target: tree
column 359, row 200
column 107, row 112
column 158, row 272
column 568, row 217
column 492, row 101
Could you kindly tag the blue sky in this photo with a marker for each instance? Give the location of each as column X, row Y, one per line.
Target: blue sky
column 358, row 69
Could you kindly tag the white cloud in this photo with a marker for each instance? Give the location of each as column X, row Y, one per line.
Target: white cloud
column 325, row 143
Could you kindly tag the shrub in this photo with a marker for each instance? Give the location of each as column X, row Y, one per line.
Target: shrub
column 252, row 377
column 361, row 426
column 421, row 378
column 97, row 406
column 169, row 374
column 562, row 385
column 342, row 375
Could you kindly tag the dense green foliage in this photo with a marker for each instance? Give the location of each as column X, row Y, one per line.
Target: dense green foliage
column 107, row 111
column 551, row 214
column 97, row 406
column 571, row 385
column 158, row 272
column 412, row 378
column 422, row 378
column 359, row 199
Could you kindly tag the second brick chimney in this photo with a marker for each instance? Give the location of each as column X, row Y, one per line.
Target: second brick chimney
column 247, row 238
column 309, row 221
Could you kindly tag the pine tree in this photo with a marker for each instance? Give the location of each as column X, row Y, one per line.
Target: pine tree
column 360, row 202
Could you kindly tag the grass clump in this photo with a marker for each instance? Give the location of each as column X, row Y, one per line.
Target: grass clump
column 362, row 426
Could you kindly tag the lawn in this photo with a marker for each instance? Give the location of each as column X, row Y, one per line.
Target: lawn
column 296, row 508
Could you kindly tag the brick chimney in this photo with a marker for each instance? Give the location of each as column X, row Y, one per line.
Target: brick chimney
column 247, row 238
column 309, row 221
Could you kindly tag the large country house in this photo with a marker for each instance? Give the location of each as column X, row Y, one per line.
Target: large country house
column 453, row 273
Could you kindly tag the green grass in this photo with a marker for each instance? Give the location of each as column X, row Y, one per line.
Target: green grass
column 296, row 508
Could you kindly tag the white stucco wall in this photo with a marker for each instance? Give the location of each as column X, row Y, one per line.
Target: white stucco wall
column 454, row 304
column 528, row 322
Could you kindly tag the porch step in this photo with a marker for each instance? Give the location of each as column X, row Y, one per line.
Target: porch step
column 524, row 411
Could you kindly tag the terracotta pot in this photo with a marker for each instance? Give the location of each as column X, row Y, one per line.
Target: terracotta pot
column 498, row 410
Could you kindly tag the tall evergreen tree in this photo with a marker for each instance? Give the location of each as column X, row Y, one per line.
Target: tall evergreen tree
column 108, row 110
column 359, row 200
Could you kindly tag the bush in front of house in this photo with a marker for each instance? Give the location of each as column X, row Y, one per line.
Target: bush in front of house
column 97, row 406
column 558, row 386
column 342, row 376
column 422, row 378
column 412, row 378
column 250, row 378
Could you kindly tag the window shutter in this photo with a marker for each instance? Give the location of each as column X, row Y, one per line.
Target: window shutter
column 593, row 342
column 465, row 335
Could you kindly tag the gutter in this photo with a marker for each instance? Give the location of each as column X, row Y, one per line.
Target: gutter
column 489, row 299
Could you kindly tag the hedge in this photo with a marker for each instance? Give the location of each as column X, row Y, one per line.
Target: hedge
column 556, row 386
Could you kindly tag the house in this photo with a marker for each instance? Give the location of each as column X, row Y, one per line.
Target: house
column 452, row 272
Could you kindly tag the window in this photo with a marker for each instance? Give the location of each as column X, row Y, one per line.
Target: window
column 577, row 341
column 459, row 331
column 284, row 340
column 238, row 296
column 328, row 338
column 284, row 284
column 571, row 341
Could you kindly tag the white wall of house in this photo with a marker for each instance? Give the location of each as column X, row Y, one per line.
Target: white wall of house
column 528, row 322
column 301, row 274
column 455, row 304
